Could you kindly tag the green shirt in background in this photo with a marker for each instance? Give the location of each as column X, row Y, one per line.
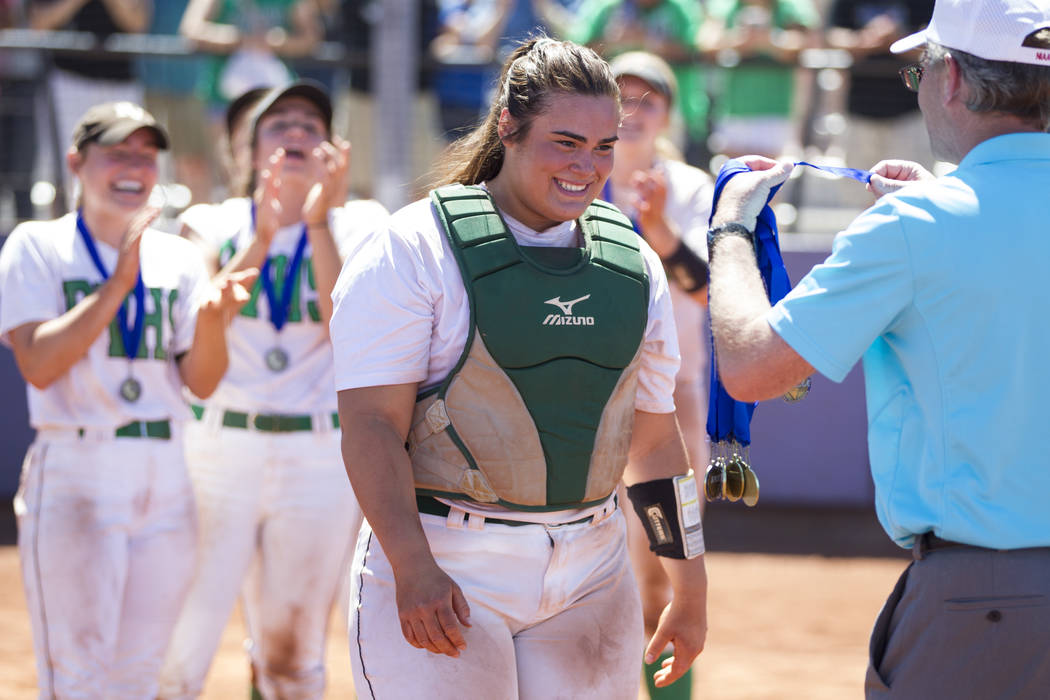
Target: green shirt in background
column 669, row 20
column 760, row 89
column 249, row 16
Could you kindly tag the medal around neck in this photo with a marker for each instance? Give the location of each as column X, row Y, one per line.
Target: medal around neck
column 131, row 390
column 276, row 359
column 130, row 334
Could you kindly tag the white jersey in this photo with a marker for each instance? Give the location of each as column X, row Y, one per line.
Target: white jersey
column 305, row 385
column 45, row 270
column 402, row 316
column 690, row 192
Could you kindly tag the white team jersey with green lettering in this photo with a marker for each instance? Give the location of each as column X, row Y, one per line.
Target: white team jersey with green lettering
column 305, row 385
column 45, row 270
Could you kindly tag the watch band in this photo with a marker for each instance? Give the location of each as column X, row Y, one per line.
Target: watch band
column 716, row 233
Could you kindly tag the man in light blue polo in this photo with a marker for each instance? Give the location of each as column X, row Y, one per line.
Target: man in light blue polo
column 941, row 288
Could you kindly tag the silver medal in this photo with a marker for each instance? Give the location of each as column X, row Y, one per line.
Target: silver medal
column 130, row 390
column 276, row 359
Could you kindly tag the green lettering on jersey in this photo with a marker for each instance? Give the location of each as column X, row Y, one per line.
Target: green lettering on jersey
column 75, row 290
column 152, row 343
column 251, row 309
column 154, row 320
column 311, row 306
column 279, row 266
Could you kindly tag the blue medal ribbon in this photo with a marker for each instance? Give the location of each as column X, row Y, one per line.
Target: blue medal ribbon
column 131, row 335
column 858, row 175
column 729, row 420
column 279, row 304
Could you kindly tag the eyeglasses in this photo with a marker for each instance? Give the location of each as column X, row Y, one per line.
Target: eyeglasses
column 911, row 75
column 731, row 479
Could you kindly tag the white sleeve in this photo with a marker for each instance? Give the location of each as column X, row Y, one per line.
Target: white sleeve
column 383, row 314
column 352, row 223
column 30, row 290
column 193, row 286
column 660, row 356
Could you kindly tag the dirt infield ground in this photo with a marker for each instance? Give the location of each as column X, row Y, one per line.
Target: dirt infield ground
column 782, row 626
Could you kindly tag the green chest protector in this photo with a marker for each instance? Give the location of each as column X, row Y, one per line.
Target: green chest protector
column 537, row 413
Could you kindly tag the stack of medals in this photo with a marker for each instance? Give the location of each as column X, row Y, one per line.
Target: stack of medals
column 276, row 358
column 131, row 335
column 729, row 475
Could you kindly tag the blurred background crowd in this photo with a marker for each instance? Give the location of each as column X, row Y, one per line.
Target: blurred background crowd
column 808, row 79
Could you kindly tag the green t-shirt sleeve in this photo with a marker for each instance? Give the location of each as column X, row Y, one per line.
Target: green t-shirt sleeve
column 797, row 12
column 591, row 19
column 691, row 17
column 721, row 9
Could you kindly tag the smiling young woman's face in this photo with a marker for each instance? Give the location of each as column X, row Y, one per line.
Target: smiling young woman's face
column 561, row 163
column 118, row 177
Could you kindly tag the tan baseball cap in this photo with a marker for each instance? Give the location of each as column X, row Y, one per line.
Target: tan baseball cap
column 307, row 89
column 1017, row 31
column 110, row 123
column 648, row 67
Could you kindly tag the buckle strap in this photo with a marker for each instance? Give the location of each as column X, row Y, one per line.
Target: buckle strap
column 435, row 419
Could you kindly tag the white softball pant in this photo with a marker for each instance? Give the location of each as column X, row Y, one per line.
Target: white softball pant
column 554, row 613
column 106, row 538
column 277, row 516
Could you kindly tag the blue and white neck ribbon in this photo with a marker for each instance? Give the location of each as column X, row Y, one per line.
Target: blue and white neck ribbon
column 279, row 303
column 131, row 334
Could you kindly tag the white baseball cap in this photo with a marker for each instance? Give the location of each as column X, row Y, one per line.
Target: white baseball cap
column 996, row 30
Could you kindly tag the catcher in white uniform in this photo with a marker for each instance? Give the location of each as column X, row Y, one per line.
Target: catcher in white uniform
column 520, row 342
column 669, row 204
column 276, row 514
column 108, row 319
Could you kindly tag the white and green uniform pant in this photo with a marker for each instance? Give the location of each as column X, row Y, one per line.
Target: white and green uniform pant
column 277, row 517
column 106, row 538
column 554, row 613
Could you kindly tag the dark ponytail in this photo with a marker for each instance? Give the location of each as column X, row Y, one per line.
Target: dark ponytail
column 535, row 70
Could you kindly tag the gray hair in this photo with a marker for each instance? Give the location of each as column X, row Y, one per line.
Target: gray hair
column 1019, row 89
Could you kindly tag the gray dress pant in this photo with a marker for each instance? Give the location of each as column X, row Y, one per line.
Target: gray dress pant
column 965, row 622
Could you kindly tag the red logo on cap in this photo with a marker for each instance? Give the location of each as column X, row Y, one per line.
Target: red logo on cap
column 1042, row 55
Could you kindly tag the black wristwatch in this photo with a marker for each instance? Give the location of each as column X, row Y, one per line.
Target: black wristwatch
column 731, row 229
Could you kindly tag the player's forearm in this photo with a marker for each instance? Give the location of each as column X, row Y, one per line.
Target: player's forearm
column 130, row 15
column 326, row 266
column 203, row 367
column 753, row 362
column 657, row 450
column 46, row 351
column 688, row 579
column 208, row 35
column 381, row 474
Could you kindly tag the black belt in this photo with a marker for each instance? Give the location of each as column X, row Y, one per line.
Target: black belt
column 929, row 542
column 432, row 506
